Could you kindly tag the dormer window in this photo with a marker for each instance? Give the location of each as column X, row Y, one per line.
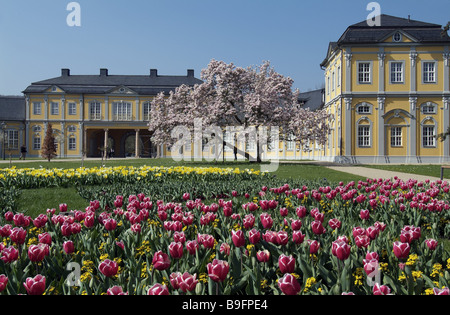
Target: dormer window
column 397, row 37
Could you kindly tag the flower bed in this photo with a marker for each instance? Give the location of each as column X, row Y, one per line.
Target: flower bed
column 371, row 237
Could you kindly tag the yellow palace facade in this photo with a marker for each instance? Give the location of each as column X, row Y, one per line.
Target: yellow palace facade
column 88, row 111
column 388, row 88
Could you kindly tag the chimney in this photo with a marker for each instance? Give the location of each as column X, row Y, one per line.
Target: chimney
column 153, row 73
column 190, row 73
column 104, row 72
column 65, row 72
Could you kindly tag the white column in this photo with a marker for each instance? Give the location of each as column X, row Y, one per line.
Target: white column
column 137, row 147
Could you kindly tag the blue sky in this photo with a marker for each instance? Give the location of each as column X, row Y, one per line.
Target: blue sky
column 130, row 37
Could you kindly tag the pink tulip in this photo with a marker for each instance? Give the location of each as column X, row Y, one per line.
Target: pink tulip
column 341, row 250
column 401, row 250
column 362, row 241
column 238, row 238
column 381, row 289
column 364, row 214
column 158, row 289
column 444, row 291
column 263, row 255
column 116, row 290
column 45, row 238
column 186, row 196
column 3, row 282
column 18, row 235
column 317, row 227
column 37, row 253
column 62, row 207
column 254, row 236
column 225, row 249
column 35, row 286
column 286, row 263
column 298, row 237
column 69, row 247
column 108, row 268
column 314, row 246
column 334, row 224
column 192, row 247
column 10, row 254
column 218, row 270
column 432, row 244
column 187, row 282
column 266, row 220
column 289, row 285
column 161, row 261
column 110, row 224
column 176, row 250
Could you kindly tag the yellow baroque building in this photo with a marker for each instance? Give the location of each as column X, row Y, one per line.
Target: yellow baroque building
column 388, row 87
column 87, row 111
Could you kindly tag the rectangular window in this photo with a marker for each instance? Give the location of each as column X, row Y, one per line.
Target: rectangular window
column 147, row 108
column 396, row 136
column 122, row 111
column 13, row 139
column 364, row 72
column 429, row 72
column 364, row 136
column 72, row 144
column 72, row 109
column 36, row 143
column 54, row 109
column 397, row 72
column 429, row 136
column 95, row 111
column 290, row 144
column 37, row 109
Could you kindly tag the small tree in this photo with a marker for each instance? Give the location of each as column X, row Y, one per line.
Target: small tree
column 49, row 148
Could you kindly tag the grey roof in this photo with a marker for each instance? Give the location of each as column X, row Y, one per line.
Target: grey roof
column 12, row 108
column 362, row 33
column 103, row 83
column 313, row 100
column 421, row 31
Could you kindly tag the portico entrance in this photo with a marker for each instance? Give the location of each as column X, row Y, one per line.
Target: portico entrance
column 120, row 143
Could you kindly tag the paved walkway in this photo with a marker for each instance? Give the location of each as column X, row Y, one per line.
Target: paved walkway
column 368, row 172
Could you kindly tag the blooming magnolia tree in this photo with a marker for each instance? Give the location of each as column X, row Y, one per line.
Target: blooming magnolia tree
column 232, row 96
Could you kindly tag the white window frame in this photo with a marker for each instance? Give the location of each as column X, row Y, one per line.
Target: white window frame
column 36, row 142
column 72, row 144
column 72, row 128
column 364, row 136
column 146, row 108
column 95, row 110
column 429, row 138
column 397, row 76
column 364, row 76
column 429, row 108
column 429, row 77
column 12, row 139
column 72, row 109
column 37, row 108
column 396, row 137
column 122, row 111
column 54, row 108
column 364, row 108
